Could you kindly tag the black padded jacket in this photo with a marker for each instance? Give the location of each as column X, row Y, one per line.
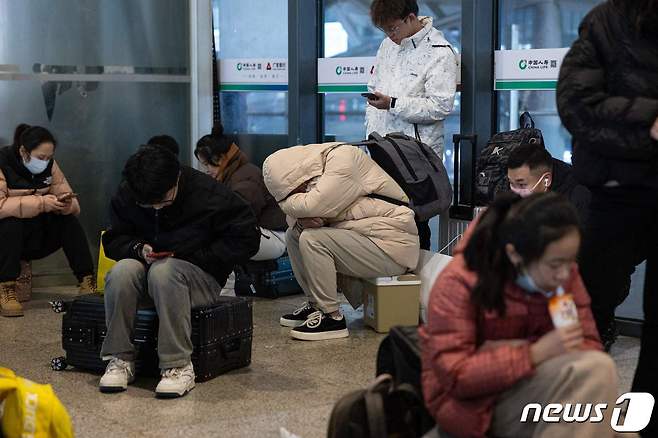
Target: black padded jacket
column 207, row 225
column 607, row 97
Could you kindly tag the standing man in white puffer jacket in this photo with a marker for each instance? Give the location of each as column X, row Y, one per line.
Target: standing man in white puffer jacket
column 415, row 79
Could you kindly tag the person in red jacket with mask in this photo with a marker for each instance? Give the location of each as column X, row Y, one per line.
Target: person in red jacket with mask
column 490, row 346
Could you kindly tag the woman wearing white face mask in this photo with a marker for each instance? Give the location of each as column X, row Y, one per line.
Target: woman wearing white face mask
column 38, row 213
column 491, row 346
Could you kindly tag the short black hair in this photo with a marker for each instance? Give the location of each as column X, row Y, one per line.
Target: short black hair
column 30, row 137
column 166, row 141
column 385, row 11
column 150, row 173
column 532, row 155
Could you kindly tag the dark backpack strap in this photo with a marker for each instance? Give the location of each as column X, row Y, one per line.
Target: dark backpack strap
column 375, row 413
column 417, row 133
column 389, row 200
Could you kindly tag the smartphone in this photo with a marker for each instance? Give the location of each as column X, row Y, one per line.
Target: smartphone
column 66, row 196
column 161, row 255
column 370, row 96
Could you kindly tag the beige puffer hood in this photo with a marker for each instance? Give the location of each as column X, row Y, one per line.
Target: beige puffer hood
column 345, row 177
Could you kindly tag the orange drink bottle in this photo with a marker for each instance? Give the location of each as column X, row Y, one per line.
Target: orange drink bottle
column 563, row 309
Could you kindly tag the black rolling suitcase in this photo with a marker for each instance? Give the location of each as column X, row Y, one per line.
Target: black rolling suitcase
column 83, row 332
column 221, row 335
column 267, row 279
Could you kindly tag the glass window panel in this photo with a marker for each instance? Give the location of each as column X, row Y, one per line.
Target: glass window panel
column 538, row 25
column 145, row 33
column 254, row 113
column 239, row 33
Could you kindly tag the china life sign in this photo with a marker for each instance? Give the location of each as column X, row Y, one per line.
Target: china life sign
column 536, row 69
column 345, row 75
column 253, row 74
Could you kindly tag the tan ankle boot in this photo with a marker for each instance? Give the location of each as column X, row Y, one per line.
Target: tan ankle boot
column 9, row 305
column 87, row 285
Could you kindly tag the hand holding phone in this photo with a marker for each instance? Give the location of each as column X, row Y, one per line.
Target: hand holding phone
column 66, row 196
column 151, row 256
column 378, row 100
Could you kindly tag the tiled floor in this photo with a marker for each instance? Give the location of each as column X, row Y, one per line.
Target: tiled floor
column 289, row 384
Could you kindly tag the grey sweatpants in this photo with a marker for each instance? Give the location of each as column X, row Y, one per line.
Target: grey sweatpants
column 175, row 286
column 318, row 254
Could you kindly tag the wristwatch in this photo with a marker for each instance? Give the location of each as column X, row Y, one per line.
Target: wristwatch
column 393, row 100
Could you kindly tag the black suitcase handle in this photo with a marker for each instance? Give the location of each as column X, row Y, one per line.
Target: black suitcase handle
column 526, row 121
column 459, row 210
column 231, row 348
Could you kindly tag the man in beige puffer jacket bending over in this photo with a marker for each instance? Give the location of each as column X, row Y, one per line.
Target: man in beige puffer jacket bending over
column 335, row 227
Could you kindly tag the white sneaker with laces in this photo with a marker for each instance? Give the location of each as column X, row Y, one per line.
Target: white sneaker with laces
column 176, row 382
column 118, row 374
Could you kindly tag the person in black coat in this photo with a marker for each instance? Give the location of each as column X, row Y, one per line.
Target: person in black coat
column 176, row 234
column 607, row 98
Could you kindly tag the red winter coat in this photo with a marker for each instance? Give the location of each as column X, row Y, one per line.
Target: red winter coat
column 460, row 381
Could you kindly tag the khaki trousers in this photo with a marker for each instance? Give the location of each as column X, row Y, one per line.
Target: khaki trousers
column 318, row 254
column 580, row 377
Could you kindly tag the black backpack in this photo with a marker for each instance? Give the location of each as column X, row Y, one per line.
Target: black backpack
column 492, row 162
column 416, row 168
column 383, row 409
column 399, row 355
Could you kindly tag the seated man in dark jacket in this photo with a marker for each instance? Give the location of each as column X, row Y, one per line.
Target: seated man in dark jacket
column 176, row 234
column 532, row 169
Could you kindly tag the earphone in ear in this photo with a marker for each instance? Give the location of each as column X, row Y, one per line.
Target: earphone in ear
column 546, row 182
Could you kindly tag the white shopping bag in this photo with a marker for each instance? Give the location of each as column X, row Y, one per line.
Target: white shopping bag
column 430, row 265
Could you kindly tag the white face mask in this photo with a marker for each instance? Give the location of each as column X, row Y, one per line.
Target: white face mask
column 525, row 281
column 524, row 193
column 35, row 165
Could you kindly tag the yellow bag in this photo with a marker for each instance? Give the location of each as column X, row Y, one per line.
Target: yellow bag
column 104, row 266
column 31, row 410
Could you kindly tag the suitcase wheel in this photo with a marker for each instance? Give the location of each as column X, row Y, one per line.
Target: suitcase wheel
column 58, row 363
column 58, row 306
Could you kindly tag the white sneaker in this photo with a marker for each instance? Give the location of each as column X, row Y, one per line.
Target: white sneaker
column 118, row 374
column 176, row 382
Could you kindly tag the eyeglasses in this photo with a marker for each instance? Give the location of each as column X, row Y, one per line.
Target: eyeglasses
column 392, row 31
column 161, row 204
